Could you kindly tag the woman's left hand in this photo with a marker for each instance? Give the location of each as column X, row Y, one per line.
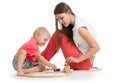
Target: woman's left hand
column 72, row 59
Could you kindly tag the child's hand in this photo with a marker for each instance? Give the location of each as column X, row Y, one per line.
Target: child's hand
column 53, row 66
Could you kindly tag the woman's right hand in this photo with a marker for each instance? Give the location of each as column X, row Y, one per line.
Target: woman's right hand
column 72, row 59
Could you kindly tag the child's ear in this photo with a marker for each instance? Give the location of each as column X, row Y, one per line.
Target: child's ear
column 37, row 36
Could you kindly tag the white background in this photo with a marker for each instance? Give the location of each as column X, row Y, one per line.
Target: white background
column 19, row 18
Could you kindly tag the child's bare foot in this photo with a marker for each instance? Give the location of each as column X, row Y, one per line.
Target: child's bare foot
column 20, row 73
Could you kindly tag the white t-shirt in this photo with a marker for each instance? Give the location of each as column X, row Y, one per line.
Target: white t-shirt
column 79, row 41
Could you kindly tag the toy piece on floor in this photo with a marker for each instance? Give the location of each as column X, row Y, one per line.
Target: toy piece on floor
column 57, row 70
column 67, row 68
column 52, row 70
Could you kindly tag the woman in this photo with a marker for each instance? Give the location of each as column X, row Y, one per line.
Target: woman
column 74, row 36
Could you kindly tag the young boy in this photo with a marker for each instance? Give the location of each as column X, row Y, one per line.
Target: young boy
column 28, row 58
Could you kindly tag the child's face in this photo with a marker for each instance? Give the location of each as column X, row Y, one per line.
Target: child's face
column 43, row 38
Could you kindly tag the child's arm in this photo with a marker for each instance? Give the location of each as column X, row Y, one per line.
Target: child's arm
column 44, row 61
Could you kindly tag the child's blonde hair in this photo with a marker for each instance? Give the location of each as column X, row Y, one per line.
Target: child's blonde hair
column 40, row 30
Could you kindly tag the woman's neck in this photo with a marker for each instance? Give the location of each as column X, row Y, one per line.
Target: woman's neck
column 72, row 19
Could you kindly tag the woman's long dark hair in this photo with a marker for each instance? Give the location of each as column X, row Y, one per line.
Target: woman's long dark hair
column 63, row 8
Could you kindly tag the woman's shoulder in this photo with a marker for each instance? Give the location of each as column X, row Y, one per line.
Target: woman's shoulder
column 80, row 20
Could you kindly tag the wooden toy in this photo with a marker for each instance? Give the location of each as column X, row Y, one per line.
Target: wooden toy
column 67, row 68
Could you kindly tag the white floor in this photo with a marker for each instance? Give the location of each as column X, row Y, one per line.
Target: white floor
column 107, row 74
column 19, row 18
column 75, row 76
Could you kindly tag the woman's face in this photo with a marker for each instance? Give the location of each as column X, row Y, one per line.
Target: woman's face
column 63, row 18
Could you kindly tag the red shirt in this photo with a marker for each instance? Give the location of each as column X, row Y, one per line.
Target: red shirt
column 31, row 47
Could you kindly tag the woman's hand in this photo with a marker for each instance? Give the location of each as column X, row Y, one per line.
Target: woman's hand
column 72, row 59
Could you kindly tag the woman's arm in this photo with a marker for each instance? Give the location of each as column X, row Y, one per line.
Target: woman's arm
column 94, row 47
